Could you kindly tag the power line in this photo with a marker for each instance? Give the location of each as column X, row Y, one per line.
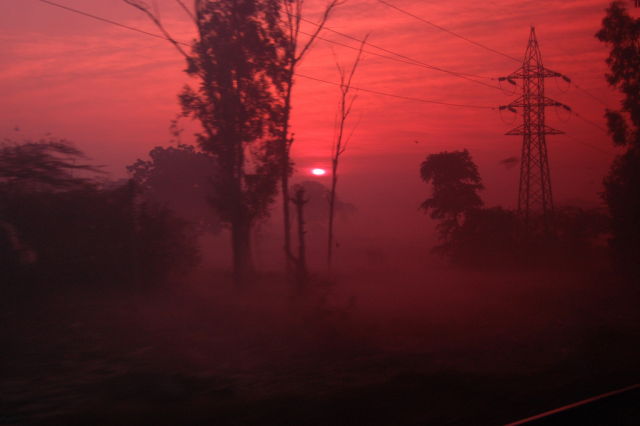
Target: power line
column 594, row 147
column 591, row 122
column 297, row 74
column 592, row 96
column 109, row 21
column 388, row 50
column 585, row 91
column 409, row 98
column 453, row 33
column 467, row 39
column 408, row 61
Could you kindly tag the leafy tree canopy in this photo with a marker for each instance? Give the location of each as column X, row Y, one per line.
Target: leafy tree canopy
column 44, row 165
column 621, row 33
column 456, row 182
column 180, row 178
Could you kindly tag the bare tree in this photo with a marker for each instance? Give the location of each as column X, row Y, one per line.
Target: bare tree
column 299, row 200
column 294, row 52
column 341, row 142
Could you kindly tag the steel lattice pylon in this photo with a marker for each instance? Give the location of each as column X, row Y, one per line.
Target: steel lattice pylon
column 535, row 198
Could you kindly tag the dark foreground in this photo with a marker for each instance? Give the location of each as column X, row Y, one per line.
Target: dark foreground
column 446, row 349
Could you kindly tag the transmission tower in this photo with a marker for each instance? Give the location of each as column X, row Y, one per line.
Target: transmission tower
column 535, row 200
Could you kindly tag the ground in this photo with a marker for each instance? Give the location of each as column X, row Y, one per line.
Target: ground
column 388, row 347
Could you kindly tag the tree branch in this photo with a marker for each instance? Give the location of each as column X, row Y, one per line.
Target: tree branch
column 140, row 5
column 320, row 27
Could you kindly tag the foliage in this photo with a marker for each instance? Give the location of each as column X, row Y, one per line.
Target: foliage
column 580, row 229
column 236, row 62
column 46, row 164
column 488, row 237
column 622, row 195
column 97, row 235
column 621, row 32
column 238, row 101
column 456, row 182
column 86, row 233
column 181, row 179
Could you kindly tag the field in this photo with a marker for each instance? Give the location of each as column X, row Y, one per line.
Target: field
column 428, row 345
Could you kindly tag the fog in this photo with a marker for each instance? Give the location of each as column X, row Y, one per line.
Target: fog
column 395, row 335
column 461, row 256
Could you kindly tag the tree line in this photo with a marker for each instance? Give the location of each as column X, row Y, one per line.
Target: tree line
column 243, row 64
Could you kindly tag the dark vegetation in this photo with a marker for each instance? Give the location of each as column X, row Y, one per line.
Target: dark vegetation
column 621, row 33
column 108, row 318
column 477, row 236
column 61, row 228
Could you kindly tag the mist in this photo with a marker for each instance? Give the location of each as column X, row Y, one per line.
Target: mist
column 212, row 216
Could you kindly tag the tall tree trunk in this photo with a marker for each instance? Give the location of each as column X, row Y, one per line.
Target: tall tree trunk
column 301, row 264
column 284, row 178
column 241, row 251
column 292, row 18
column 340, row 144
column 332, row 202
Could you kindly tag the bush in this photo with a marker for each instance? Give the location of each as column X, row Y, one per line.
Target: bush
column 91, row 235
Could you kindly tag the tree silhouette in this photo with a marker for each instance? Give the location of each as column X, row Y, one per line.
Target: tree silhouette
column 28, row 171
column 60, row 225
column 487, row 238
column 237, row 62
column 46, row 164
column 621, row 32
column 293, row 54
column 299, row 199
column 181, row 179
column 340, row 144
column 456, row 182
column 316, row 212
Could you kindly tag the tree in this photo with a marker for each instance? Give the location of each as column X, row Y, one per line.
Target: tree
column 621, row 32
column 340, row 144
column 70, row 229
column 316, row 213
column 299, row 200
column 292, row 56
column 27, row 170
column 181, row 179
column 237, row 62
column 45, row 164
column 487, row 238
column 456, row 182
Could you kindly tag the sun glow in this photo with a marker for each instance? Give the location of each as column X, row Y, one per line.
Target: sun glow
column 318, row 172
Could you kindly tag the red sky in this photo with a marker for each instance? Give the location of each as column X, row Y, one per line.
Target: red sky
column 113, row 91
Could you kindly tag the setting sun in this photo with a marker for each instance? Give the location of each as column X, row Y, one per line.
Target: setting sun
column 318, row 172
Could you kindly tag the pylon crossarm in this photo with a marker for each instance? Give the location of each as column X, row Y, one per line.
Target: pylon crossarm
column 552, row 102
column 532, row 72
column 551, row 131
column 516, row 131
column 521, row 102
column 552, row 73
